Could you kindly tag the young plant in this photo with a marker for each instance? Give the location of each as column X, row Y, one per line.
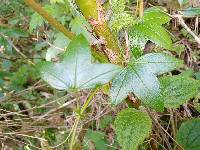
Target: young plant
column 139, row 76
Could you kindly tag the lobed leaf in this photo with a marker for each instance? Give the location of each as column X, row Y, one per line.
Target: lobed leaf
column 140, row 78
column 76, row 70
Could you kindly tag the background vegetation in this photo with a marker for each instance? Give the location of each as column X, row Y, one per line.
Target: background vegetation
column 47, row 115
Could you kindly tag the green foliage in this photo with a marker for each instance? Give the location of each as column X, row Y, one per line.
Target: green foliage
column 188, row 135
column 36, row 20
column 61, row 42
column 197, row 75
column 9, row 6
column 57, row 1
column 118, row 6
column 137, row 43
column 151, row 27
column 105, row 121
column 132, row 127
column 79, row 25
column 191, row 12
column 97, row 138
column 21, row 77
column 59, row 11
column 120, row 19
column 177, row 90
column 156, row 15
column 183, row 2
column 76, row 70
column 140, row 78
column 13, row 32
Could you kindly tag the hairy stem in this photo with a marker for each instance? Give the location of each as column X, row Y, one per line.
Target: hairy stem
column 49, row 18
column 93, row 12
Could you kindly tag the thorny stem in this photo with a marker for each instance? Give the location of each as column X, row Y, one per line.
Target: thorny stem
column 58, row 25
column 49, row 18
column 93, row 12
column 74, row 129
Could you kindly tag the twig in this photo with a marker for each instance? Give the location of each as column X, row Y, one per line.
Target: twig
column 16, row 49
column 127, row 50
column 54, row 110
column 163, row 129
column 188, row 112
column 49, row 18
column 173, row 122
column 156, row 123
column 183, row 24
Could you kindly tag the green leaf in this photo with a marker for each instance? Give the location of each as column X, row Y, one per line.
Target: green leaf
column 57, row 1
column 140, row 78
column 76, row 69
column 197, row 75
column 151, row 27
column 105, row 121
column 188, row 135
column 121, row 20
column 6, row 45
column 183, row 2
column 155, row 33
column 14, row 32
column 98, row 138
column 177, row 90
column 60, row 12
column 118, row 6
column 80, row 26
column 132, row 127
column 36, row 20
column 154, row 15
column 61, row 41
column 191, row 12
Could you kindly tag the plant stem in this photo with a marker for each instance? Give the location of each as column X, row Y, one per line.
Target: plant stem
column 16, row 49
column 49, row 18
column 183, row 24
column 93, row 12
column 86, row 104
column 173, row 123
column 59, row 26
column 74, row 128
column 141, row 8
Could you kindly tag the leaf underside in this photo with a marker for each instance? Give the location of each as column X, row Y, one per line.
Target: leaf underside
column 76, row 70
